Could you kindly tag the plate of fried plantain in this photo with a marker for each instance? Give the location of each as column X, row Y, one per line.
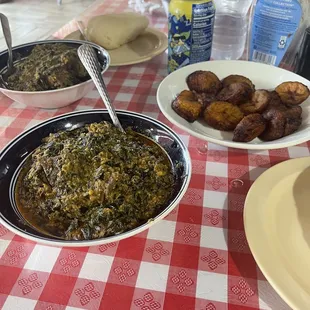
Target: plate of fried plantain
column 238, row 104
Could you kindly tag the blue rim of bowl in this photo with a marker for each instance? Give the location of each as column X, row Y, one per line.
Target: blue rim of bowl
column 98, row 47
column 93, row 242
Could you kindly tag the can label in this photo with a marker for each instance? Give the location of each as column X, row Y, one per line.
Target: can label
column 274, row 25
column 190, row 40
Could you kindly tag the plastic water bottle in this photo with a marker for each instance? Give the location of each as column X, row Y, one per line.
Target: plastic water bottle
column 276, row 31
column 230, row 28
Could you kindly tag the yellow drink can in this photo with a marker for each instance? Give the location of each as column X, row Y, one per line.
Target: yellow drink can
column 190, row 32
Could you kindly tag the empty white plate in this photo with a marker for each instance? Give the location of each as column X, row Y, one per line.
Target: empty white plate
column 277, row 227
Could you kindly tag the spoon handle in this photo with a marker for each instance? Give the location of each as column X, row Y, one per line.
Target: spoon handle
column 81, row 27
column 8, row 39
column 90, row 62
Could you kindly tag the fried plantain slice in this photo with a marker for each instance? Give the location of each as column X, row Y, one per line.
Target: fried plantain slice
column 249, row 128
column 187, row 106
column 222, row 115
column 261, row 99
column 293, row 120
column 236, row 93
column 258, row 104
column 293, row 93
column 235, row 78
column 275, row 99
column 248, row 108
column 204, row 82
column 275, row 124
column 205, row 99
column 281, row 121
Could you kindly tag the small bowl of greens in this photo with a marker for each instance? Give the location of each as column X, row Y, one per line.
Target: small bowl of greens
column 48, row 74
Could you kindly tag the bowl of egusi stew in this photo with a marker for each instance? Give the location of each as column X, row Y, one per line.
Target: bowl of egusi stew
column 48, row 74
column 76, row 180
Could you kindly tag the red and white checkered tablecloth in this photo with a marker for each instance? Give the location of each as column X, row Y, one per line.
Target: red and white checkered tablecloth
column 196, row 258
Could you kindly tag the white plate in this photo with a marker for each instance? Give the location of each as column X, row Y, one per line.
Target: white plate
column 263, row 76
column 149, row 44
column 277, row 227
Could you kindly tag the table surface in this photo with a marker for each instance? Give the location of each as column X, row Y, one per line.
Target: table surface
column 196, row 258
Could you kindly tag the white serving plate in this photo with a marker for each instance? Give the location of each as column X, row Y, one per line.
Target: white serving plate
column 149, row 44
column 263, row 76
column 277, row 227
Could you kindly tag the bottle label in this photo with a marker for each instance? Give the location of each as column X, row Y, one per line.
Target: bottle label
column 190, row 40
column 274, row 25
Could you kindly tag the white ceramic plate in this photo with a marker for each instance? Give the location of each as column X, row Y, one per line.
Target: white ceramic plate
column 148, row 45
column 263, row 76
column 277, row 227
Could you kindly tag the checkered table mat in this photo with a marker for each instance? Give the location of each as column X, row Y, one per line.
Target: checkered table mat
column 196, row 258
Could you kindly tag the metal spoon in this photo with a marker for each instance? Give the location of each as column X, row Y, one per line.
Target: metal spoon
column 90, row 62
column 89, row 59
column 82, row 30
column 8, row 39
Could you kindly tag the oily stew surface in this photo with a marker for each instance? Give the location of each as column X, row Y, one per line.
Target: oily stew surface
column 48, row 67
column 93, row 182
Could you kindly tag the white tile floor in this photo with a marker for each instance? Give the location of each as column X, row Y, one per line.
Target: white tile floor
column 32, row 20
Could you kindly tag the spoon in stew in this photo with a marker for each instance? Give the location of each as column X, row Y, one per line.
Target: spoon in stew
column 8, row 39
column 89, row 59
column 81, row 27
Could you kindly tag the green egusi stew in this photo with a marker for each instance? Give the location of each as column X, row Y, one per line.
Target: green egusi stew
column 48, row 67
column 93, row 182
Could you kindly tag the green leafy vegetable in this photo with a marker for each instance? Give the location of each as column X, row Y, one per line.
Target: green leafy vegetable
column 93, row 182
column 49, row 66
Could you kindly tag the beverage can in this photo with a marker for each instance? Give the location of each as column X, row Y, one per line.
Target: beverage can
column 190, row 32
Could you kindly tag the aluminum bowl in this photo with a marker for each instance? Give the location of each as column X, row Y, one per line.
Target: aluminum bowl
column 52, row 99
column 16, row 152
